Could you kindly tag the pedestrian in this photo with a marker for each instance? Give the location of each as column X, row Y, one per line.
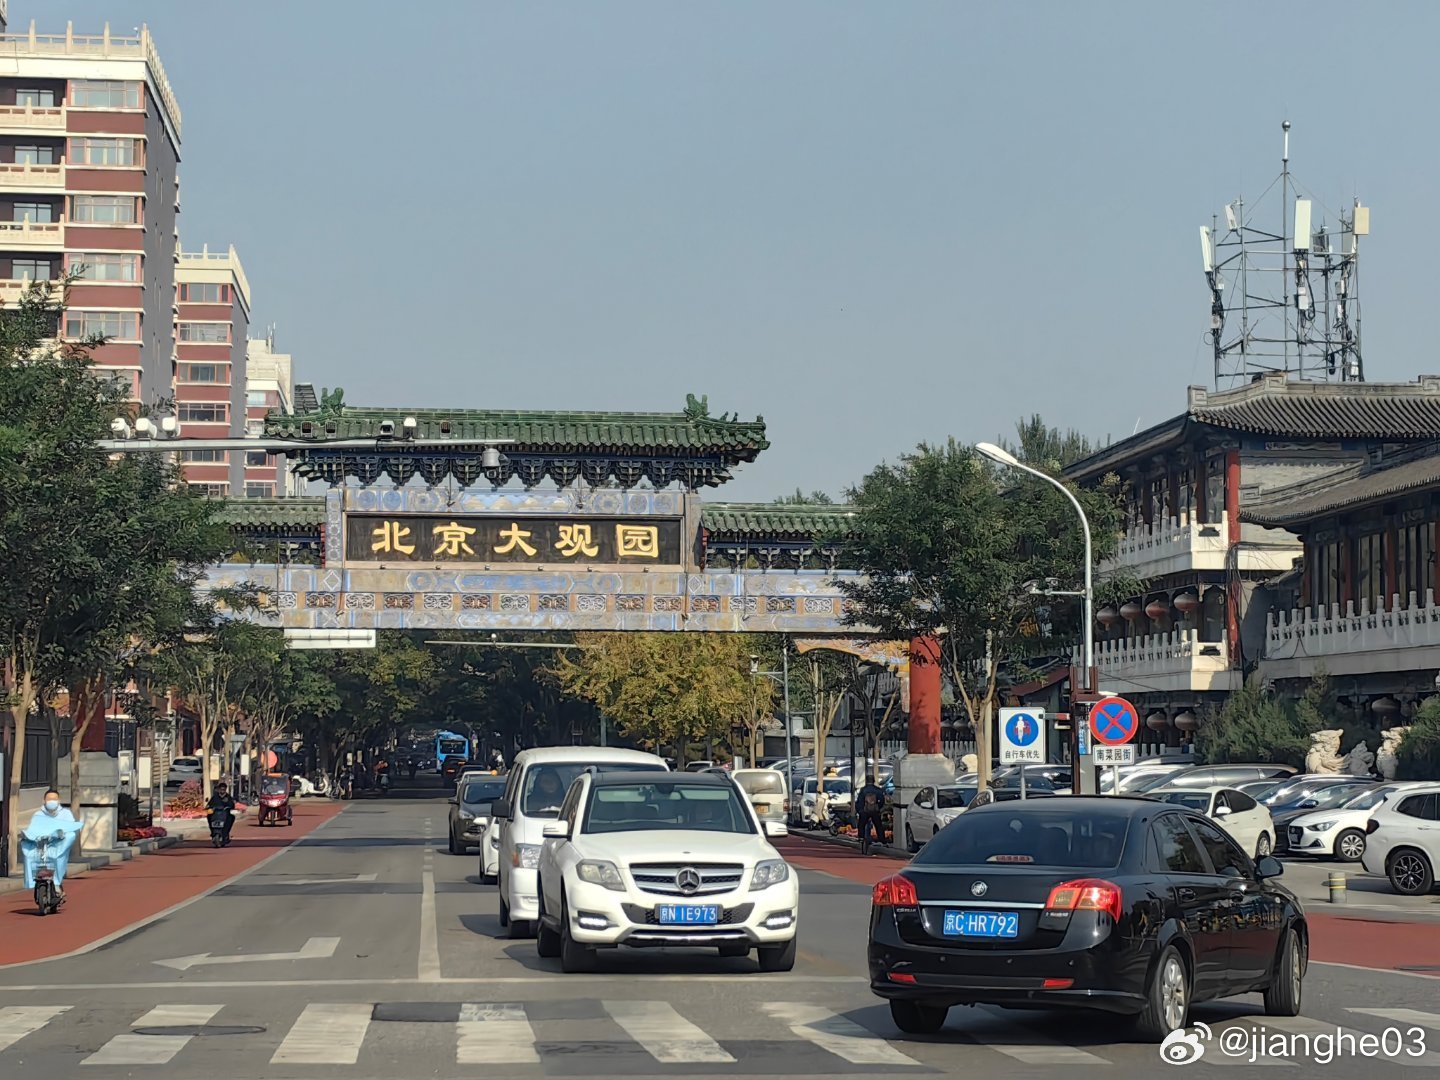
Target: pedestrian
column 870, row 805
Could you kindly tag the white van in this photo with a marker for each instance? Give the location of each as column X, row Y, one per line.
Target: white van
column 538, row 781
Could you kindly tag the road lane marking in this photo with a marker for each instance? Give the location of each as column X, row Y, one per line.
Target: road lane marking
column 455, row 980
column 837, row 1035
column 133, row 1049
column 325, row 1035
column 1403, row 1016
column 498, row 1033
column 429, row 930
column 316, row 948
column 666, row 1035
column 17, row 1021
column 1305, row 1025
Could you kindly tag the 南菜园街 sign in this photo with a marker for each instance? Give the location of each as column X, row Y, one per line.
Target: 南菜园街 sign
column 383, row 538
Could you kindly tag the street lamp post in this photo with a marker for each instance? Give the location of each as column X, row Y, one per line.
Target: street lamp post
column 1001, row 456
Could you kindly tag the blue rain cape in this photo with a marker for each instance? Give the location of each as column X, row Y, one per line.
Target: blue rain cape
column 44, row 825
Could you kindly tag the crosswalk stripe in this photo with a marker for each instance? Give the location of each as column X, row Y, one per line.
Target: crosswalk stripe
column 498, row 1033
column 837, row 1035
column 17, row 1021
column 1403, row 1016
column 665, row 1034
column 325, row 1035
column 1304, row 1025
column 133, row 1049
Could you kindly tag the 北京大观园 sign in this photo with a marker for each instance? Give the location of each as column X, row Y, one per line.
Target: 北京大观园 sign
column 407, row 538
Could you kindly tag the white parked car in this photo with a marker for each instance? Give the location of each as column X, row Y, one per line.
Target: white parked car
column 673, row 861
column 837, row 793
column 932, row 809
column 1238, row 814
column 183, row 769
column 490, row 853
column 535, row 788
column 1339, row 832
column 1402, row 839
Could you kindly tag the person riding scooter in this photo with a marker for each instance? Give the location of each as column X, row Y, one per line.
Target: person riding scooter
column 221, row 809
column 55, row 823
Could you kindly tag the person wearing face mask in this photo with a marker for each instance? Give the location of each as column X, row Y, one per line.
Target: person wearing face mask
column 55, row 822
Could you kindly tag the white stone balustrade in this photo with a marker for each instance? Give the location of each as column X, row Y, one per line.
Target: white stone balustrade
column 30, row 177
column 1169, row 662
column 1354, row 640
column 49, row 235
column 1170, row 547
column 28, row 118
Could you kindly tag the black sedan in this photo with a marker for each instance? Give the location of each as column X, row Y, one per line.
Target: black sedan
column 1112, row 903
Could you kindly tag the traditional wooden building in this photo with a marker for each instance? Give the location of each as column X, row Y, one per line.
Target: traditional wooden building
column 1197, row 535
column 1363, row 606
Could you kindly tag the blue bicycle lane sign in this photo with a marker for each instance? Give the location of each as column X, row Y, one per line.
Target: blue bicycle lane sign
column 1022, row 736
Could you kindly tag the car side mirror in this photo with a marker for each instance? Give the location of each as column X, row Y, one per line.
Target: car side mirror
column 1309, row 804
column 500, row 811
column 556, row 830
column 776, row 829
column 1269, row 867
column 1222, row 811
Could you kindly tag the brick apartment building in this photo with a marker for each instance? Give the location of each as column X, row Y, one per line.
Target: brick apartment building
column 212, row 324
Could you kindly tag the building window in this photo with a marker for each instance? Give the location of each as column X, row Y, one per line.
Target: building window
column 204, row 457
column 1414, row 561
column 40, row 213
column 103, row 266
column 107, row 324
column 255, row 399
column 205, row 333
column 204, row 292
column 104, row 94
column 103, row 209
column 205, row 373
column 34, row 155
column 106, row 152
column 1370, row 569
column 35, row 99
column 255, row 428
column 259, row 491
column 203, row 412
column 30, row 269
column 256, row 459
column 210, row 491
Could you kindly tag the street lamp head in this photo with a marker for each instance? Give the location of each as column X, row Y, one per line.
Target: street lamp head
column 997, row 453
column 754, row 664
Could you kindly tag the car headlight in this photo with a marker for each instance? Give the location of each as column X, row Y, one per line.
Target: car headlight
column 526, row 856
column 601, row 872
column 466, row 815
column 769, row 872
column 1323, row 826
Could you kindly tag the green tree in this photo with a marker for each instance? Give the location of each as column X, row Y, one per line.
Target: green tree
column 1038, row 444
column 1418, row 756
column 1256, row 724
column 945, row 551
column 815, row 498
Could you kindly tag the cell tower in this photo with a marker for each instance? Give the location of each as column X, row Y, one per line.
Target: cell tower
column 1295, row 292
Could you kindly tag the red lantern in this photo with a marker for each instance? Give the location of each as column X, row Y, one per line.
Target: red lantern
column 1157, row 609
column 1186, row 602
column 1107, row 616
column 1157, row 721
column 1131, row 611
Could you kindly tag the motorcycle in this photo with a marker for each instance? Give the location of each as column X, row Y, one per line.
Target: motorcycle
column 218, row 821
column 840, row 818
column 43, row 856
column 382, row 782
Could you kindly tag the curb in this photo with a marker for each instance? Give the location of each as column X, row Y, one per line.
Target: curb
column 95, row 860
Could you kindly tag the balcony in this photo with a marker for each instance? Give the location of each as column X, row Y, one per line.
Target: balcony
column 1164, row 663
column 12, row 289
column 32, row 236
column 1169, row 547
column 1354, row 642
column 32, row 177
column 29, row 119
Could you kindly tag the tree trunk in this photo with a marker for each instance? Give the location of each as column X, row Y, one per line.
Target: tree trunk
column 20, row 708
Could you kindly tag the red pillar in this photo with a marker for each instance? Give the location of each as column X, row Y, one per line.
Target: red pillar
column 925, row 696
column 94, row 737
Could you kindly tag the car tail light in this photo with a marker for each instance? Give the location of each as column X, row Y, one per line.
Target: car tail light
column 902, row 977
column 1371, row 826
column 896, row 891
column 1057, row 984
column 1085, row 894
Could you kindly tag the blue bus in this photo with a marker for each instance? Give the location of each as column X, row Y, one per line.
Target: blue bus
column 448, row 745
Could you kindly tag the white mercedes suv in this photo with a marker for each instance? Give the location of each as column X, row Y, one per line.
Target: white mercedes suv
column 673, row 860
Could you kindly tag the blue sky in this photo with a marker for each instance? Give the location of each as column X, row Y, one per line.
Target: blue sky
column 871, row 223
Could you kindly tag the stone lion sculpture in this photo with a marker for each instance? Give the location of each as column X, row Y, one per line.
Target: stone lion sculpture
column 969, row 763
column 1324, row 755
column 1360, row 761
column 1388, row 756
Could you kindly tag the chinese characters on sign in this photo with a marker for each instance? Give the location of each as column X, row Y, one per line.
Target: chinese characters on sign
column 376, row 538
column 1114, row 755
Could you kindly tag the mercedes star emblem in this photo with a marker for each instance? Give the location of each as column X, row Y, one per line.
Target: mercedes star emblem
column 687, row 880
column 979, row 888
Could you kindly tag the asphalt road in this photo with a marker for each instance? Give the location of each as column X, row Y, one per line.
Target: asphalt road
column 367, row 951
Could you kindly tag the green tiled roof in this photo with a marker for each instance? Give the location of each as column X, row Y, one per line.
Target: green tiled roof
column 764, row 520
column 690, row 433
column 298, row 512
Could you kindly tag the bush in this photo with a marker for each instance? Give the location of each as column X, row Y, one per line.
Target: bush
column 1256, row 725
column 1418, row 757
column 126, row 836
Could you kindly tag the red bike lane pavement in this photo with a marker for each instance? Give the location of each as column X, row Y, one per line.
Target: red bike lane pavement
column 1371, row 940
column 105, row 902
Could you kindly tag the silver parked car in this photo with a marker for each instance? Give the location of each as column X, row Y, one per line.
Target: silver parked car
column 765, row 791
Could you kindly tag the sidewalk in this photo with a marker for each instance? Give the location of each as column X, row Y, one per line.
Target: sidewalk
column 115, row 897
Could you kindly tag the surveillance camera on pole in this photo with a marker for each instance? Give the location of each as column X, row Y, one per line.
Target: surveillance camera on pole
column 410, row 426
column 119, row 428
column 387, row 429
column 754, row 664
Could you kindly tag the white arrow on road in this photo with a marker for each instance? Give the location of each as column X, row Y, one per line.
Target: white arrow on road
column 324, row 880
column 317, row 948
